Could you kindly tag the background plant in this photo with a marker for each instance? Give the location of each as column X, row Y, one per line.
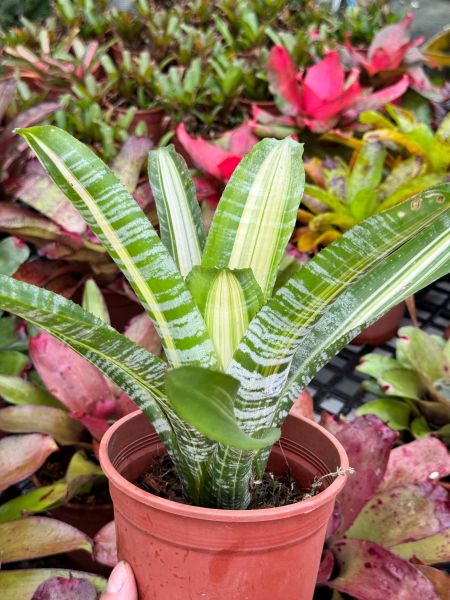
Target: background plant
column 412, row 388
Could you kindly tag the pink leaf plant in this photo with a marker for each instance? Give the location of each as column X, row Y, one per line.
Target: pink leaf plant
column 326, row 95
column 392, row 509
column 393, row 52
column 216, row 159
column 89, row 396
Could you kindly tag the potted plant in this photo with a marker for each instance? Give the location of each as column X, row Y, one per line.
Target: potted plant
column 236, row 358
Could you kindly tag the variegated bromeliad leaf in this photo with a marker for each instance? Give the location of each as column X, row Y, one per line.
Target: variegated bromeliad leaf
column 237, row 352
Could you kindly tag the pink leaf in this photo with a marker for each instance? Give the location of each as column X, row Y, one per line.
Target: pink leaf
column 128, row 163
column 326, row 567
column 35, row 188
column 323, row 82
column 141, row 330
column 96, row 426
column 206, row 155
column 368, row 443
column 403, row 513
column 423, row 460
column 282, row 74
column 370, row 572
column 22, row 455
column 382, row 97
column 69, row 377
column 59, row 588
column 239, row 141
column 105, row 547
column 390, row 45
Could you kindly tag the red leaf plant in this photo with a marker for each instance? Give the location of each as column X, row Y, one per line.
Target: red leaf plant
column 216, row 159
column 393, row 52
column 392, row 517
column 325, row 96
column 90, row 397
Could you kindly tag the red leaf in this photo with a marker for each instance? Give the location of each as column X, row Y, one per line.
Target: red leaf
column 59, row 588
column 423, row 460
column 205, row 155
column 282, row 74
column 370, row 572
column 71, row 378
column 368, row 443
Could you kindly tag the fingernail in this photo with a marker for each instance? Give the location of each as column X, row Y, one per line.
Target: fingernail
column 117, row 578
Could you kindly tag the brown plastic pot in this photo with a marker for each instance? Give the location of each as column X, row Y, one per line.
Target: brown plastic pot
column 152, row 117
column 383, row 329
column 186, row 552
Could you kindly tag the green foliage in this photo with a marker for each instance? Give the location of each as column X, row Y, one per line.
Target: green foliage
column 11, row 11
column 218, row 402
column 414, row 388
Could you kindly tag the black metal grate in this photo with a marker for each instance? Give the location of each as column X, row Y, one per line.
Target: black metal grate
column 337, row 387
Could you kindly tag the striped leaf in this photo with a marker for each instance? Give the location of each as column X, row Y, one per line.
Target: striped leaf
column 131, row 367
column 179, row 215
column 341, row 272
column 130, row 239
column 228, row 300
column 256, row 214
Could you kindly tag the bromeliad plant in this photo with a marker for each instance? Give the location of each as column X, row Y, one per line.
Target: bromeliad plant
column 413, row 388
column 237, row 355
column 342, row 195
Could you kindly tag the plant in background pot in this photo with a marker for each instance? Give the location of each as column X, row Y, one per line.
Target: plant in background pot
column 413, row 388
column 236, row 357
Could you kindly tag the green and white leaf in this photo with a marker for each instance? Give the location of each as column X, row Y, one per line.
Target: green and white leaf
column 228, row 301
column 256, row 214
column 130, row 239
column 179, row 214
column 204, row 399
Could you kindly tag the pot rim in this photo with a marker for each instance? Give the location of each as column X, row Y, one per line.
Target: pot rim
column 218, row 514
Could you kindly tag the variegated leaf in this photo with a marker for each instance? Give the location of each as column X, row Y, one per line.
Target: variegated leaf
column 130, row 239
column 180, row 219
column 228, row 301
column 256, row 214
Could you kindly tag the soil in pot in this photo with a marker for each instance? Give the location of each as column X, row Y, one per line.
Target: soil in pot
column 184, row 552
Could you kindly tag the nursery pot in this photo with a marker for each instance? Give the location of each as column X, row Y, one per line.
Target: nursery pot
column 186, row 552
column 382, row 330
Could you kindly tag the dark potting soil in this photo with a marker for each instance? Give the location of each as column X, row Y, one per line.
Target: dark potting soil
column 273, row 491
column 55, row 468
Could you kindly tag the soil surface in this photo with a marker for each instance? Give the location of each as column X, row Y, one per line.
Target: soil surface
column 161, row 479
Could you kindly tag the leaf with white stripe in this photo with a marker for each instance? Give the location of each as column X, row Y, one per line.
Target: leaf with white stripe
column 228, row 301
column 263, row 358
column 131, row 367
column 256, row 214
column 180, row 219
column 130, row 239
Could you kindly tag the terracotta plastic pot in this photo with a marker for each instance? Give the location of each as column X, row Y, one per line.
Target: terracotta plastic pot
column 383, row 329
column 152, row 117
column 188, row 552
